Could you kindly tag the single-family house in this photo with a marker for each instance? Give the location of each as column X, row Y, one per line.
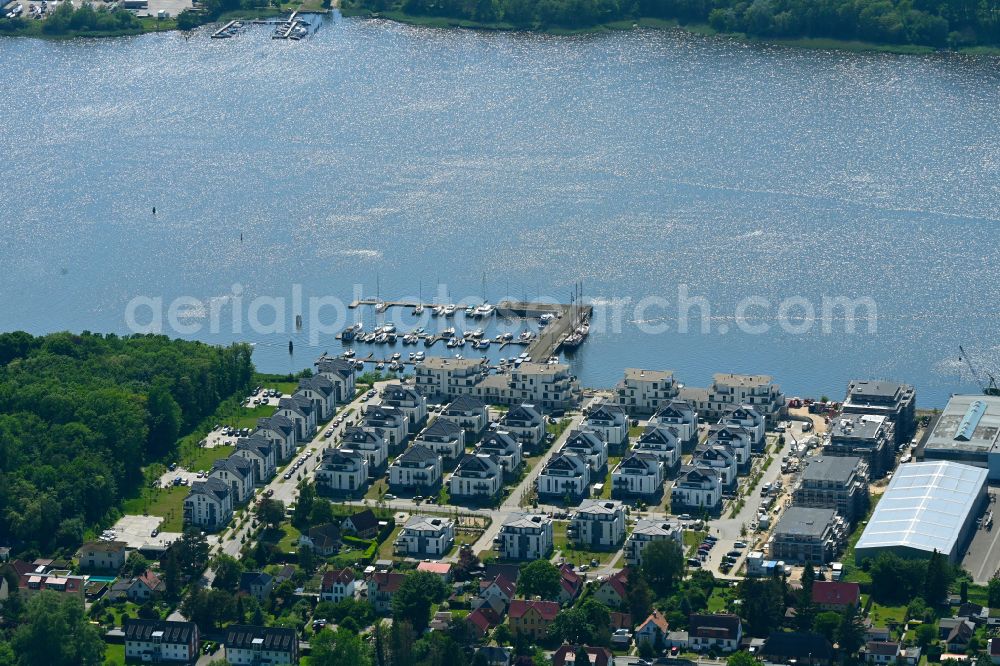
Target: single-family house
column 612, row 591
column 566, row 655
column 381, row 587
column 102, row 555
column 257, row 584
column 653, row 630
column 531, row 618
column 362, row 524
column 796, row 647
column 322, row 539
column 145, row 587
column 723, row 631
column 337, row 585
column 828, row 595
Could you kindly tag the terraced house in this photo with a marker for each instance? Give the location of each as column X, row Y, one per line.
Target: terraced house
column 342, row 471
column 477, row 478
column 443, row 437
column 526, row 424
column 526, row 537
column 645, row 391
column 410, row 402
column 598, row 525
column 418, row 469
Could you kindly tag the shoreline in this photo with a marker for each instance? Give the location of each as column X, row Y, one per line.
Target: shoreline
column 815, row 43
column 153, row 25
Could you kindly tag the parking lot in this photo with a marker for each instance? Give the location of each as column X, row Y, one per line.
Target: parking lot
column 136, row 531
column 983, row 554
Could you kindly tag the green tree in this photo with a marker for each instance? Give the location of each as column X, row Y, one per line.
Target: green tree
column 307, row 559
column 540, row 578
column 646, row 651
column 937, row 579
column 637, row 595
column 227, row 572
column 993, row 593
column 851, row 635
column 271, row 512
column 322, row 512
column 924, row 635
column 663, row 566
column 502, row 635
column 56, row 632
column 571, row 626
column 827, row 623
column 164, row 419
column 304, row 506
column 762, row 604
column 805, row 612
column 136, row 564
column 172, row 575
column 741, row 658
column 413, row 600
column 340, row 648
column 192, row 552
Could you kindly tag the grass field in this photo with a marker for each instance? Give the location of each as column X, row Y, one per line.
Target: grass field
column 692, row 540
column 612, row 463
column 167, row 503
column 202, row 459
column 572, row 554
column 385, row 548
column 114, row 653
column 882, row 615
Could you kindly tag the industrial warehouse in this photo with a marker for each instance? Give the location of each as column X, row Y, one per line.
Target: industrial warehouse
column 928, row 506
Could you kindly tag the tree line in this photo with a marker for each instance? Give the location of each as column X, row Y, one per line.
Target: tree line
column 83, row 19
column 936, row 23
column 80, row 415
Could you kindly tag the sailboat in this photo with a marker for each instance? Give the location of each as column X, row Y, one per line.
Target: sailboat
column 380, row 305
column 419, row 310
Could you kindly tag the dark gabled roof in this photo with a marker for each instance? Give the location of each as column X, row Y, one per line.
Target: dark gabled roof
column 477, row 463
column 644, row 461
column 359, row 435
column 400, row 393
column 883, row 648
column 325, row 535
column 317, row 383
column 676, row 409
column 797, row 645
column 418, row 454
column 525, row 413
column 297, row 403
column 335, row 366
column 584, row 438
column 443, row 428
column 499, row 440
column 277, row 422
column 363, row 520
column 698, row 475
column 743, row 412
column 249, row 578
column 212, row 486
column 257, row 443
column 464, row 403
column 234, row 464
column 275, row 639
column 608, row 412
column 839, row 593
column 564, row 461
column 728, row 623
column 380, row 413
column 659, row 434
column 508, row 571
column 342, row 456
column 724, row 432
column 716, row 452
column 173, row 632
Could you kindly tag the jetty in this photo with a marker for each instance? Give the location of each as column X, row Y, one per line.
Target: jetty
column 228, row 30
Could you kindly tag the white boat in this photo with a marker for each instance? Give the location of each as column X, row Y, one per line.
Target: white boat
column 360, row 365
column 507, row 336
column 438, row 311
column 419, row 310
column 389, row 328
column 485, row 310
column 413, row 355
column 418, row 330
column 460, row 342
column 380, row 306
column 484, row 344
column 478, row 333
column 379, row 365
column 381, row 338
column 449, row 310
column 526, row 335
column 420, row 356
column 349, row 353
column 448, row 332
column 545, row 319
column 470, row 311
column 396, row 356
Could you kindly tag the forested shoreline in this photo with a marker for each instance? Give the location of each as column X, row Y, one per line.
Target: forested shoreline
column 80, row 415
column 930, row 23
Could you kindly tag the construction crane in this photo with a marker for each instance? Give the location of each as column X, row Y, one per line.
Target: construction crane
column 989, row 389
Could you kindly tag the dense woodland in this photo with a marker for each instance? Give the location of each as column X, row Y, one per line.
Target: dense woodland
column 81, row 414
column 81, row 20
column 937, row 23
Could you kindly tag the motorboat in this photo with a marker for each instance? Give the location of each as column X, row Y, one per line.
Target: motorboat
column 449, row 310
column 380, row 306
column 507, row 335
column 460, row 342
column 359, row 365
column 419, row 356
column 348, row 353
column 546, row 319
column 438, row 311
column 347, row 334
column 448, row 332
column 470, row 311
column 418, row 330
column 389, row 328
column 379, row 365
column 485, row 310
column 396, row 356
column 452, row 343
column 478, row 333
column 412, row 355
column 381, row 338
column 525, row 336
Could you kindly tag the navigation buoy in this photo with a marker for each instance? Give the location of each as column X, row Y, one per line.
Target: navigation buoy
column 291, row 347
column 154, row 210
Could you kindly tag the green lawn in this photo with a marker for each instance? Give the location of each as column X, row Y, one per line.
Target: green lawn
column 692, row 540
column 167, row 503
column 612, row 463
column 385, row 548
column 377, row 489
column 246, row 417
column 285, row 537
column 719, row 601
column 114, row 653
column 573, row 554
column 202, row 459
column 882, row 615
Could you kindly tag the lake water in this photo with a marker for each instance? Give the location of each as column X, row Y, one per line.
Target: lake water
column 639, row 163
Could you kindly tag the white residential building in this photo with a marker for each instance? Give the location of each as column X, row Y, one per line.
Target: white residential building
column 505, row 448
column 261, row 452
column 257, row 646
column 209, row 504
column 683, row 418
column 526, row 537
column 391, row 423
column 757, row 391
column 564, row 474
column 611, row 422
column 645, row 391
column 443, row 437
column 526, row 424
column 409, row 401
column 638, row 475
column 751, row 421
column 341, row 372
column 337, row 585
column 160, row 640
column 590, row 446
column 737, row 439
column 662, row 442
column 598, row 525
column 279, row 431
column 645, row 532
column 342, row 471
column 478, row 477
column 697, row 488
column 442, row 378
column 238, row 474
column 417, row 469
column 299, row 410
column 468, row 412
column 425, row 536
column 322, row 393
column 722, row 460
column 369, row 442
